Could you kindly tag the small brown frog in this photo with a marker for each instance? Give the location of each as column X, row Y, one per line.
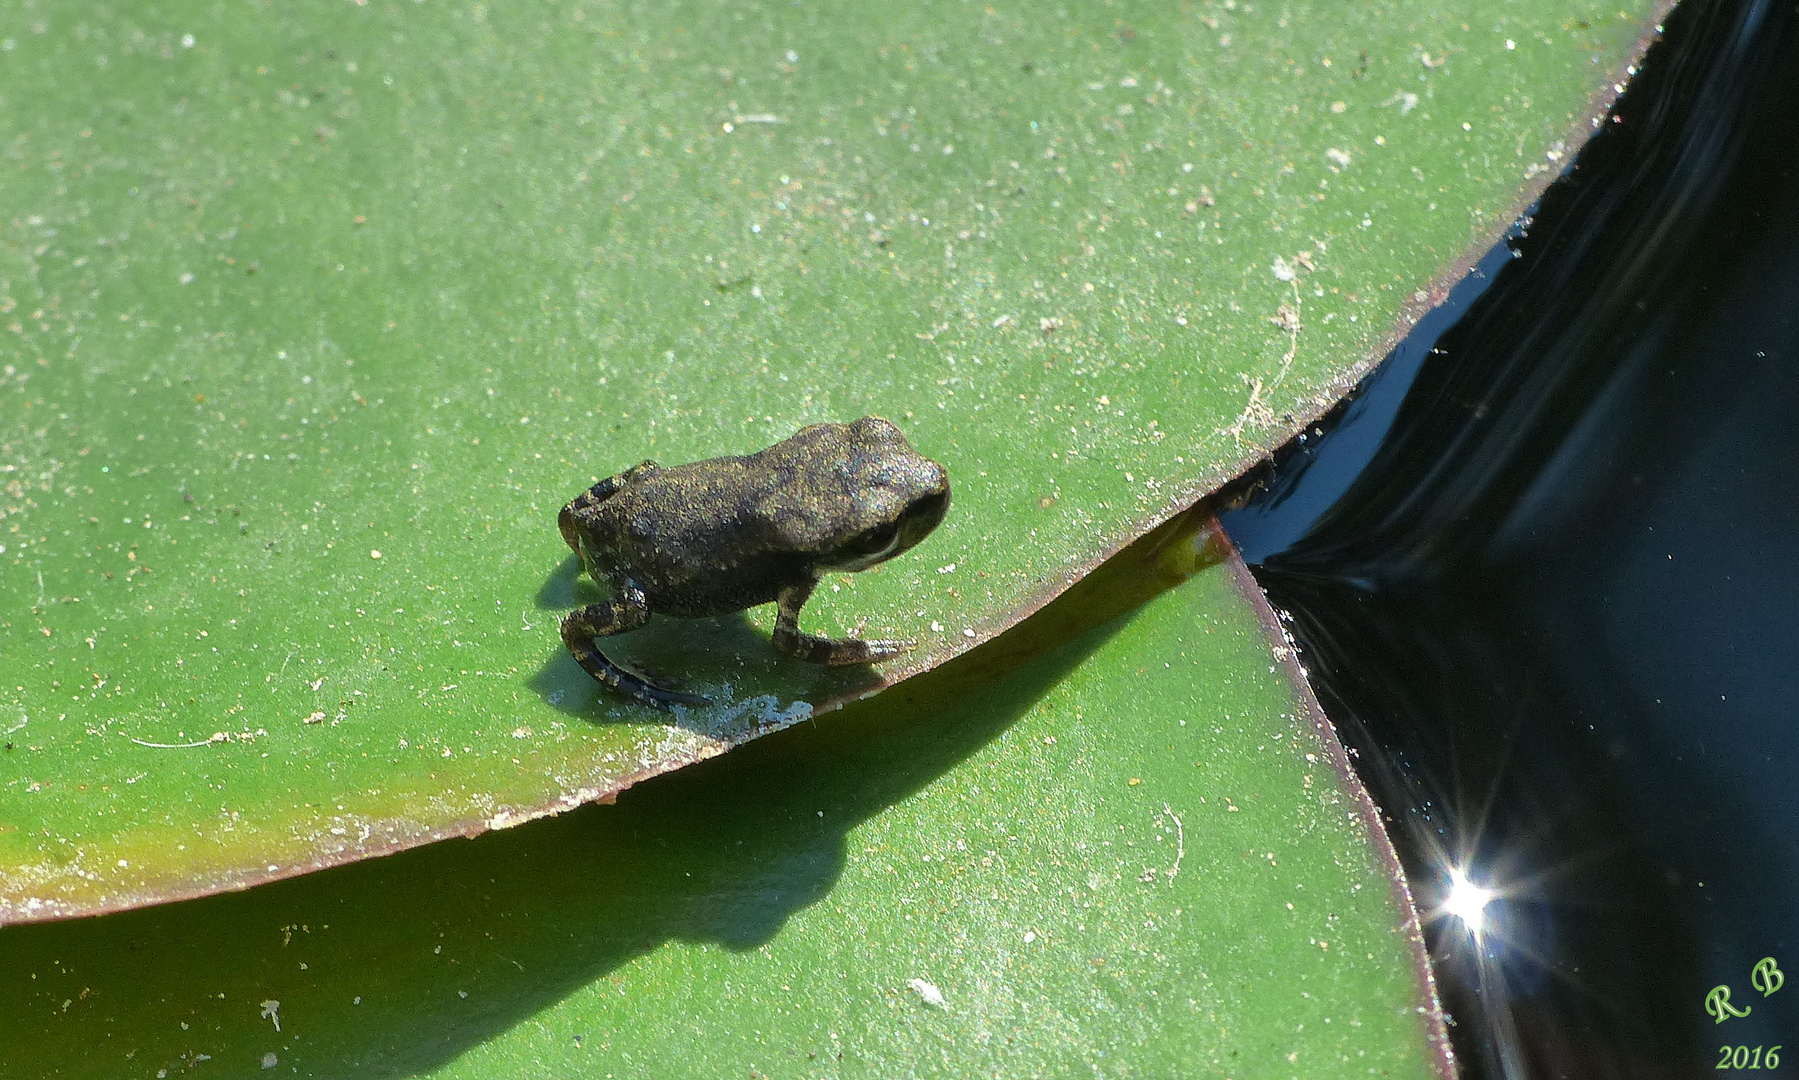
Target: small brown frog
column 729, row 533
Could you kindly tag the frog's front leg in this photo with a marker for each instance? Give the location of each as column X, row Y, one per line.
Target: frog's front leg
column 625, row 612
column 789, row 641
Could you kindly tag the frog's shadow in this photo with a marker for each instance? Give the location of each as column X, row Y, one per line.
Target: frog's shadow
column 727, row 658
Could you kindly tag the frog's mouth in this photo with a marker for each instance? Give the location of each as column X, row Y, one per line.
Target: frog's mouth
column 863, row 562
column 874, row 546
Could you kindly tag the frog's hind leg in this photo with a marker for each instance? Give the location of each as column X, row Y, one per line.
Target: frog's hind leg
column 836, row 652
column 616, row 616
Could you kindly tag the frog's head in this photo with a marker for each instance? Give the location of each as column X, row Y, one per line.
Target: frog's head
column 893, row 496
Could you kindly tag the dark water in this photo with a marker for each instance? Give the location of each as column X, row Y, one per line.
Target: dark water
column 1545, row 576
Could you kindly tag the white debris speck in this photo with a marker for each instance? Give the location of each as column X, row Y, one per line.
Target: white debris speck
column 374, row 553
column 269, row 1061
column 950, row 569
column 271, row 1010
column 1030, row 936
column 187, row 42
column 1407, row 102
column 968, row 632
column 927, row 992
column 187, row 279
column 936, row 627
column 1340, row 157
column 1510, row 44
column 1283, row 270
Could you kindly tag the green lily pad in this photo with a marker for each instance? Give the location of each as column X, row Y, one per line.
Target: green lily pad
column 1120, row 850
column 311, row 320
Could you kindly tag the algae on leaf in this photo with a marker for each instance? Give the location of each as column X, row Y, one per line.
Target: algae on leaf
column 310, row 319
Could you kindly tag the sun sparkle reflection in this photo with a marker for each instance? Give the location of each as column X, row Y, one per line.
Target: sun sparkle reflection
column 1467, row 901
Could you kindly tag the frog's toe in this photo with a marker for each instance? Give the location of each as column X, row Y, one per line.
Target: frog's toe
column 886, row 648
